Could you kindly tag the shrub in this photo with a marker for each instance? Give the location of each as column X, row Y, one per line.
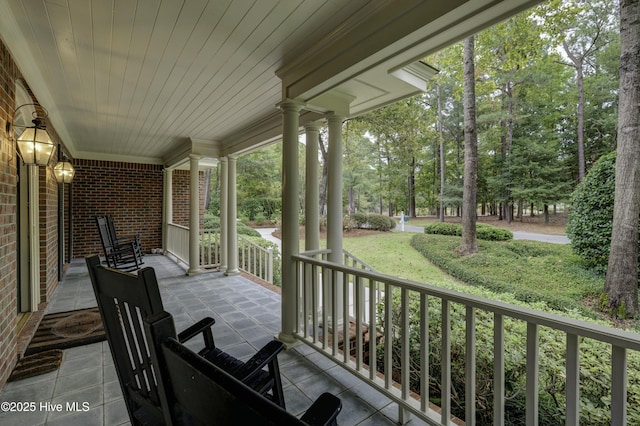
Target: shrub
column 245, row 230
column 360, row 219
column 250, row 208
column 483, row 231
column 379, row 222
column 260, row 219
column 492, row 233
column 595, row 361
column 505, row 266
column 589, row 224
column 211, row 221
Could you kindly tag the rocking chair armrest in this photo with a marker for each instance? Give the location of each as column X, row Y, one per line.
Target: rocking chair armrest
column 203, row 326
column 124, row 247
column 323, row 411
column 257, row 362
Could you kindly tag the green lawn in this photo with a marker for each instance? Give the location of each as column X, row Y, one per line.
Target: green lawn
column 391, row 253
column 526, row 271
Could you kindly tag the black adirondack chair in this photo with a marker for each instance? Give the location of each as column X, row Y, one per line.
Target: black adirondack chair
column 121, row 256
column 201, row 393
column 124, row 300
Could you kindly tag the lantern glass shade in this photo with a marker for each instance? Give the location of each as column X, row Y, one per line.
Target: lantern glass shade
column 35, row 146
column 64, row 172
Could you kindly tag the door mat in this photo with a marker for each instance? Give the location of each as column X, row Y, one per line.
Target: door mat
column 36, row 364
column 64, row 330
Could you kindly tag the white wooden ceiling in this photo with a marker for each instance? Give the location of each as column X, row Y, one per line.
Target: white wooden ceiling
column 134, row 80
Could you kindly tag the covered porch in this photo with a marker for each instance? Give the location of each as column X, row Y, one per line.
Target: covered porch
column 247, row 316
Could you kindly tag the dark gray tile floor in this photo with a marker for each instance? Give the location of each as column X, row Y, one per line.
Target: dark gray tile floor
column 247, row 316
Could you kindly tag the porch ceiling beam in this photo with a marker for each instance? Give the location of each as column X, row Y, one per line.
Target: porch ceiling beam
column 393, row 35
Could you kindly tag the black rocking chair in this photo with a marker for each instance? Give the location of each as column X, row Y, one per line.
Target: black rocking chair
column 125, row 300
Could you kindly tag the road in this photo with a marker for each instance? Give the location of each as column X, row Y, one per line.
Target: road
column 517, row 235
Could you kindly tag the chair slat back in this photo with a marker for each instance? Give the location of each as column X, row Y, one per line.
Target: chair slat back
column 124, row 301
column 105, row 237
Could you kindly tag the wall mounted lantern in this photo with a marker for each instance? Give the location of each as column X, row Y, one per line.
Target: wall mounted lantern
column 34, row 143
column 36, row 148
column 64, row 172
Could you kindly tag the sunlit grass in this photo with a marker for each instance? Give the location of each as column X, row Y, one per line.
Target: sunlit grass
column 391, row 253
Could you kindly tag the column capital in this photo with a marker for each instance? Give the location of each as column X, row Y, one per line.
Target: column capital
column 313, row 126
column 195, row 157
column 333, row 117
column 291, row 105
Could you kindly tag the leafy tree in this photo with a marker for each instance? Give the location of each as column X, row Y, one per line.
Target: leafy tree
column 583, row 38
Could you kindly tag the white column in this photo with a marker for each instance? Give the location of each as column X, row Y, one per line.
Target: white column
column 232, row 225
column 334, row 211
column 311, row 203
column 290, row 217
column 34, row 236
column 167, row 207
column 194, row 216
column 224, row 202
column 334, row 188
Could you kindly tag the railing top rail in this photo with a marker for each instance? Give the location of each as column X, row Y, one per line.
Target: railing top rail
column 360, row 261
column 568, row 325
column 175, row 225
column 251, row 243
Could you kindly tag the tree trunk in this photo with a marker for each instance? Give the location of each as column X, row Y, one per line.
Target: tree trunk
column 412, row 190
column 578, row 65
column 469, row 192
column 442, row 157
column 621, row 285
column 325, row 177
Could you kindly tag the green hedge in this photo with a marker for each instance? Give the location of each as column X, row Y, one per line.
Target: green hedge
column 507, row 266
column 483, row 231
column 374, row 221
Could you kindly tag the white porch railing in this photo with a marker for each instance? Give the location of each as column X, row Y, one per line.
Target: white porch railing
column 319, row 302
column 178, row 242
column 254, row 259
column 209, row 248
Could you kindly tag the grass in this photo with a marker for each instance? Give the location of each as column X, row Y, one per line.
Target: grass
column 528, row 271
column 391, row 253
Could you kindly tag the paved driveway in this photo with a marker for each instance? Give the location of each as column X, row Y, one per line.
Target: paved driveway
column 517, row 235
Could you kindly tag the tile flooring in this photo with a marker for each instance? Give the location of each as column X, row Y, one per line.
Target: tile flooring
column 247, row 315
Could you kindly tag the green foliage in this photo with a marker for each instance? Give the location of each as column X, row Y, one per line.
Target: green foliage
column 559, row 279
column 380, row 222
column 591, row 215
column 483, row 231
column 247, row 231
column 360, row 219
column 595, row 364
column 267, row 208
column 374, row 221
column 211, row 221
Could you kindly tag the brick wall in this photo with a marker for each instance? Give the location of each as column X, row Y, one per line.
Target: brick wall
column 8, row 219
column 131, row 193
